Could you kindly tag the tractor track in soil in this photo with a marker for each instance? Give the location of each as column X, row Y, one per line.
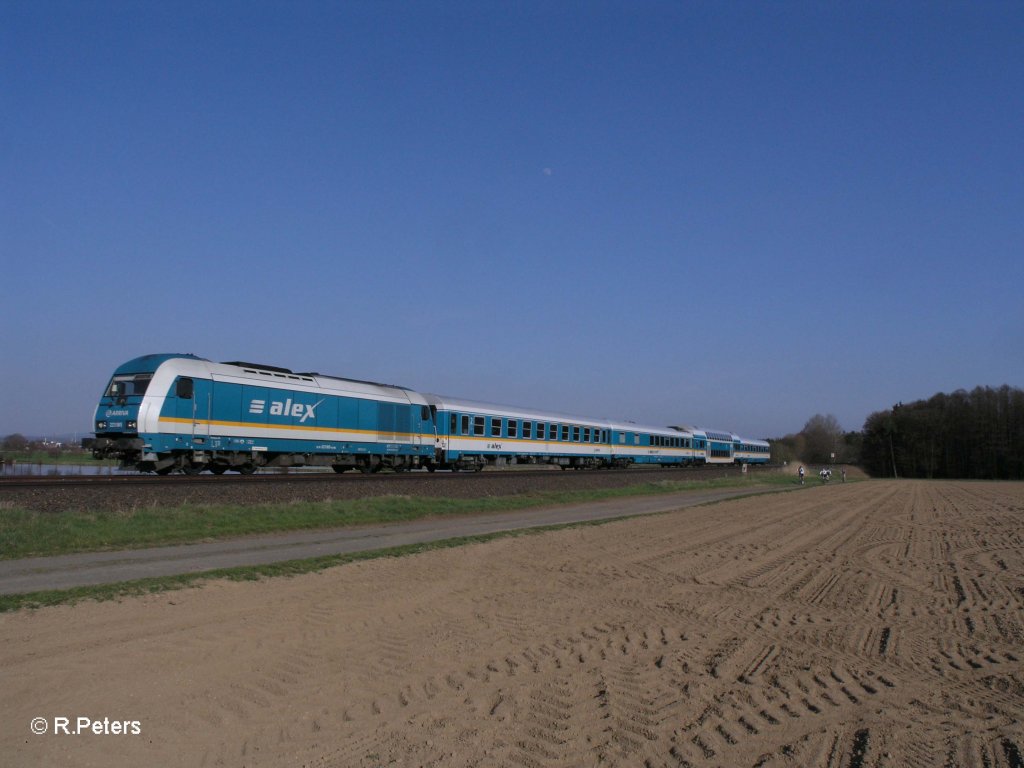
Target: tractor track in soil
column 868, row 624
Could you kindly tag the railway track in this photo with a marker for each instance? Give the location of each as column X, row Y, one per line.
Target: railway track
column 100, row 481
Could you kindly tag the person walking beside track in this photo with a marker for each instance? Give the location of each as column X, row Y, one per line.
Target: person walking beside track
column 801, row 473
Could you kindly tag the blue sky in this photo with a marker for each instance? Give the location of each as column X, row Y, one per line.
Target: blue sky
column 729, row 214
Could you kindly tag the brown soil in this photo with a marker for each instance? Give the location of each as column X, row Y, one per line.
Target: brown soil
column 867, row 624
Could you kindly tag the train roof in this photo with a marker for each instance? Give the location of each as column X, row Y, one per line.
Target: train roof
column 631, row 426
column 257, row 367
column 149, row 363
column 444, row 402
column 266, row 375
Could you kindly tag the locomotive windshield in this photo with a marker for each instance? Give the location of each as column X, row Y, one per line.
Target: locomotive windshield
column 126, row 386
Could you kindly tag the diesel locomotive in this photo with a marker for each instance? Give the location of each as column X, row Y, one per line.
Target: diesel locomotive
column 174, row 412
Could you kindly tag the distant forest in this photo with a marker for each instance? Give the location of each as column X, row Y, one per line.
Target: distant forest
column 971, row 435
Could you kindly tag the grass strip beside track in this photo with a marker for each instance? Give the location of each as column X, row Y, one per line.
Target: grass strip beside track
column 25, row 533
column 76, row 458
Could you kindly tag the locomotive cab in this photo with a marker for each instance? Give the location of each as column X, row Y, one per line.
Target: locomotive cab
column 117, row 416
column 116, row 420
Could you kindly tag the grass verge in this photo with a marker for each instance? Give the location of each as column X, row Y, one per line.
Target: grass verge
column 77, row 458
column 25, row 533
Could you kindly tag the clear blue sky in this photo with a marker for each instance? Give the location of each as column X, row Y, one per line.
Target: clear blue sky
column 730, row 214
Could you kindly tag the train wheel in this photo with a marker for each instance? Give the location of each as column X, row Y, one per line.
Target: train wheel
column 246, row 469
column 338, row 468
column 164, row 470
column 218, row 469
column 431, row 468
column 192, row 469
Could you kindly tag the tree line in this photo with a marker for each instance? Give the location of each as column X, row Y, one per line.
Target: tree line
column 976, row 435
column 971, row 435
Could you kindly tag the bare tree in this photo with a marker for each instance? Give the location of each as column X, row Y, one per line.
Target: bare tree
column 822, row 437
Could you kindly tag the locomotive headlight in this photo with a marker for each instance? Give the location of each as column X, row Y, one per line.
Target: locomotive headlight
column 132, row 425
column 101, row 425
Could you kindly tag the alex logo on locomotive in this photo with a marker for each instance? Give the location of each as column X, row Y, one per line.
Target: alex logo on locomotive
column 301, row 411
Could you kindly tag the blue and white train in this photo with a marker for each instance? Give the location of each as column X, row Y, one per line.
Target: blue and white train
column 166, row 413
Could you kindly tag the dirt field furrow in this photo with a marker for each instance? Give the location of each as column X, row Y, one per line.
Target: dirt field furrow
column 869, row 624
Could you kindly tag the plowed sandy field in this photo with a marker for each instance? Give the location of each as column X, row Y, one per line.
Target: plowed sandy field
column 868, row 624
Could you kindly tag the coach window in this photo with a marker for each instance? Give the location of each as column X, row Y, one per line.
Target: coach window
column 565, row 433
column 478, row 426
column 465, row 424
column 575, row 434
column 453, row 424
column 586, row 434
column 513, row 428
column 495, row 427
column 527, row 430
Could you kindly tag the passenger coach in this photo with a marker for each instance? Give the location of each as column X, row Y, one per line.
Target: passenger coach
column 472, row 434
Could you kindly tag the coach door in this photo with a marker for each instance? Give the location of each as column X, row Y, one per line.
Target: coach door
column 195, row 403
